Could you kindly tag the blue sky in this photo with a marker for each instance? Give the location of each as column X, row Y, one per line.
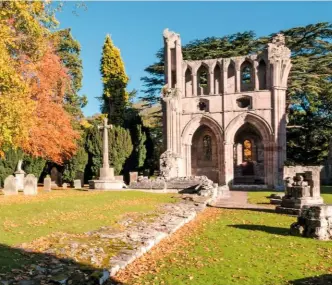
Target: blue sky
column 136, row 29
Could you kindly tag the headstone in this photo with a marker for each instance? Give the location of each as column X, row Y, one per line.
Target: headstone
column 10, row 186
column 64, row 185
column 133, row 177
column 19, row 175
column 77, row 184
column 30, row 185
column 56, row 176
column 47, row 184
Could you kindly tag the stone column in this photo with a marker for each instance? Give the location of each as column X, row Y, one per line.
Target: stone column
column 229, row 163
column 211, row 85
column 188, row 159
column 194, row 84
column 255, row 74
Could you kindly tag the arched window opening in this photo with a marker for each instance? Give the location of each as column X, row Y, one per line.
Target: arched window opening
column 247, row 82
column 207, row 148
column 247, row 150
column 231, row 78
column 188, row 83
column 262, row 75
column 202, row 81
column 217, row 80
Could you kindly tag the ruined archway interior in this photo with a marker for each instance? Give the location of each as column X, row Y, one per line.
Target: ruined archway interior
column 248, row 156
column 204, row 153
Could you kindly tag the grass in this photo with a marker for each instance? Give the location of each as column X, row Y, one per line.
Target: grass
column 27, row 218
column 260, row 197
column 240, row 247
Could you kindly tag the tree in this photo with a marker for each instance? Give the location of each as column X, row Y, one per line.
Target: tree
column 32, row 85
column 120, row 147
column 68, row 49
column 114, row 78
column 33, row 165
column 309, row 86
column 8, row 165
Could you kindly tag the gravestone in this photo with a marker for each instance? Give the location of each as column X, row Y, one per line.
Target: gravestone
column 77, row 184
column 133, row 177
column 56, row 176
column 47, row 184
column 10, row 186
column 64, row 185
column 30, row 185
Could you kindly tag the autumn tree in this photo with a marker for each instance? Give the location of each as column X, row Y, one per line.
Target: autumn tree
column 33, row 83
column 114, row 78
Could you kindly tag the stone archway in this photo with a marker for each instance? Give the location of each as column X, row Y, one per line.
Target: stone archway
column 204, row 154
column 203, row 133
column 255, row 129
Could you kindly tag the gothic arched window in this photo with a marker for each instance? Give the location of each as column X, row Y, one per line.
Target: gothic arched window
column 247, row 150
column 246, row 74
column 207, row 148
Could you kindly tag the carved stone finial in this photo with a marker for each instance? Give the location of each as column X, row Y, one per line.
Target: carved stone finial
column 170, row 35
column 279, row 40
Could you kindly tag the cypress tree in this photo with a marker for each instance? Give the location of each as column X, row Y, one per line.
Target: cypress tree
column 114, row 78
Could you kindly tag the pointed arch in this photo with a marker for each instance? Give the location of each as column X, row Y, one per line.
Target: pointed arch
column 188, row 82
column 231, row 82
column 260, row 123
column 203, row 74
column 217, row 82
column 262, row 75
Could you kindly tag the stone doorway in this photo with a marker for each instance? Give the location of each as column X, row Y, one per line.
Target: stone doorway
column 248, row 156
column 204, row 154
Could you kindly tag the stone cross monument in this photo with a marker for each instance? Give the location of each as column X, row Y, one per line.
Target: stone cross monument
column 105, row 172
column 106, row 179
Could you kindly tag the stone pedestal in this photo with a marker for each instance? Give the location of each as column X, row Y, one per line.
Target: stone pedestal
column 19, row 177
column 106, row 173
column 300, row 192
column 106, row 181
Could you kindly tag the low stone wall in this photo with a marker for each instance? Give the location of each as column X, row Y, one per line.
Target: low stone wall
column 143, row 238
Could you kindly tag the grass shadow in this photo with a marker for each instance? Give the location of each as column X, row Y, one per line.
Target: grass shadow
column 262, row 210
column 325, row 279
column 19, row 265
column 262, row 228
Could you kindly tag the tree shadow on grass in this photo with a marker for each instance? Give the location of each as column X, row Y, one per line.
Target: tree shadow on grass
column 262, row 228
column 325, row 279
column 17, row 265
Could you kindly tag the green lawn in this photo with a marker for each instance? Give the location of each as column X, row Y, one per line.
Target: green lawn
column 260, row 197
column 26, row 218
column 241, row 247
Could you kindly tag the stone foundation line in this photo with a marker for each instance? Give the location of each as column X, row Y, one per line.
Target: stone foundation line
column 167, row 224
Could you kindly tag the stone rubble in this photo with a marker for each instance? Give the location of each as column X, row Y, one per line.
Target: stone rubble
column 314, row 222
column 85, row 258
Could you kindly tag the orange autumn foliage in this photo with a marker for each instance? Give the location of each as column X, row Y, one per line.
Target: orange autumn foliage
column 52, row 136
